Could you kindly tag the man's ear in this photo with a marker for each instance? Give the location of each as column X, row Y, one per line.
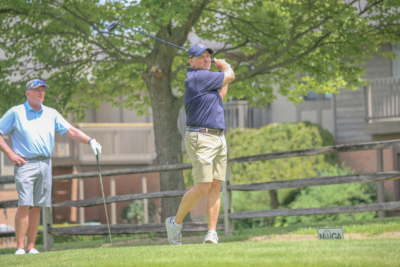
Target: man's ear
column 191, row 62
column 27, row 93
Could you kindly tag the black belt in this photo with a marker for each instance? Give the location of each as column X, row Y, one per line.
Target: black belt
column 205, row 130
column 36, row 158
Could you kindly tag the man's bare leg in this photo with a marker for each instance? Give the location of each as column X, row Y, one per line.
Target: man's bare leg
column 213, row 205
column 190, row 199
column 21, row 225
column 34, row 220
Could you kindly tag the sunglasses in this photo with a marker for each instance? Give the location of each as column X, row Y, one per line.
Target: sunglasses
column 39, row 82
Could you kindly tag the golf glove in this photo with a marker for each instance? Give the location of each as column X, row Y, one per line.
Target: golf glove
column 96, row 147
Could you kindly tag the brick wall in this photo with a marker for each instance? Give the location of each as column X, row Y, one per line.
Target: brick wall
column 125, row 184
column 365, row 161
column 61, row 192
column 7, row 216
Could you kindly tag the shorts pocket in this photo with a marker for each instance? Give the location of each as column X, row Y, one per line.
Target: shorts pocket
column 192, row 138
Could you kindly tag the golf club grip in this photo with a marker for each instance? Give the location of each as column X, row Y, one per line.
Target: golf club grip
column 98, row 163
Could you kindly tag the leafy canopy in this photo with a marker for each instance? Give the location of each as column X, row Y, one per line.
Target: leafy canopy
column 301, row 44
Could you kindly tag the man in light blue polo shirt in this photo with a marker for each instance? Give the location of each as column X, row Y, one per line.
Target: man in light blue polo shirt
column 32, row 127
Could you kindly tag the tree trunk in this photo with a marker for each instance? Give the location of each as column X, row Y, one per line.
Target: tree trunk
column 274, row 205
column 165, row 111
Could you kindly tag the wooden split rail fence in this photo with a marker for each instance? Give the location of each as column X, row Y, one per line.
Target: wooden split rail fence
column 227, row 188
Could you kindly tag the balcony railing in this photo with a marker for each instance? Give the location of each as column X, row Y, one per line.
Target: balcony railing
column 238, row 114
column 123, row 143
column 382, row 100
column 134, row 143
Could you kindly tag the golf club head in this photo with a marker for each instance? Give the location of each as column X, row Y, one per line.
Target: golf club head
column 112, row 26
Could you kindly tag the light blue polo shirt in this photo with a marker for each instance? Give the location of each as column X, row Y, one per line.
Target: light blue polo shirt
column 32, row 132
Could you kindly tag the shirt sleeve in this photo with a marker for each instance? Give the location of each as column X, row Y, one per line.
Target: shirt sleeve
column 61, row 125
column 7, row 122
column 209, row 81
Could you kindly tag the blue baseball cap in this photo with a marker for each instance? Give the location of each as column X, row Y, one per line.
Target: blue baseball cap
column 32, row 84
column 197, row 49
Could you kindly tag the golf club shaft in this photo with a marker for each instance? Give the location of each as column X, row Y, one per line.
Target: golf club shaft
column 104, row 200
column 157, row 39
column 154, row 37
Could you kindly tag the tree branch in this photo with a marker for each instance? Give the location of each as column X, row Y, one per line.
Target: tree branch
column 179, row 34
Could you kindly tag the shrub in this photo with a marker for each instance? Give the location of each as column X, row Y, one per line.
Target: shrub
column 276, row 137
column 134, row 212
column 332, row 195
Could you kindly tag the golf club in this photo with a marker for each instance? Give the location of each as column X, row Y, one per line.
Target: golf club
column 114, row 24
column 104, row 200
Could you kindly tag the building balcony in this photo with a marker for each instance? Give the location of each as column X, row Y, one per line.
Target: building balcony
column 382, row 106
column 122, row 143
column 134, row 143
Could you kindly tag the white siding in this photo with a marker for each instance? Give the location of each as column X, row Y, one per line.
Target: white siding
column 282, row 110
column 350, row 111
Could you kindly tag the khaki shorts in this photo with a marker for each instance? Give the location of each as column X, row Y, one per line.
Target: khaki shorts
column 208, row 155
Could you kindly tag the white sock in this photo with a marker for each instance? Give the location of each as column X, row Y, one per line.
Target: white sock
column 174, row 223
column 212, row 231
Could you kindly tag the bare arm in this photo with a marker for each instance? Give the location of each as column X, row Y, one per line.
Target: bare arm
column 16, row 159
column 78, row 135
column 223, row 91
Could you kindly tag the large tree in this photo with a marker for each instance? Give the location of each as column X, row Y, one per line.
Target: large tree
column 297, row 44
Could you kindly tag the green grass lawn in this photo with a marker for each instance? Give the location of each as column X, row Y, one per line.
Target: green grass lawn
column 371, row 227
column 362, row 252
column 140, row 250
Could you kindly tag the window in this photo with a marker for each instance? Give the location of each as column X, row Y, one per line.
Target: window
column 311, row 96
column 327, row 95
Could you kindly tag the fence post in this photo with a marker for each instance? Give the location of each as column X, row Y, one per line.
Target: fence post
column 113, row 205
column 81, row 197
column 227, row 197
column 379, row 187
column 48, row 240
column 145, row 201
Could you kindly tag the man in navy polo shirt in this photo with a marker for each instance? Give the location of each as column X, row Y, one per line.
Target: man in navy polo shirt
column 32, row 127
column 204, row 140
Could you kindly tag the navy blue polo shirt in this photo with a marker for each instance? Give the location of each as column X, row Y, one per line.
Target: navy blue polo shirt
column 203, row 104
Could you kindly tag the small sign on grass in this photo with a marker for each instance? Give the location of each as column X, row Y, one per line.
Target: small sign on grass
column 330, row 233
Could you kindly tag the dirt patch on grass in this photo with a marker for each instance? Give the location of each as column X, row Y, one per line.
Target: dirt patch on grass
column 292, row 237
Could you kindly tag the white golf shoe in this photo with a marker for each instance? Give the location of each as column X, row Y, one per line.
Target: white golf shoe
column 211, row 238
column 20, row 251
column 173, row 231
column 33, row 251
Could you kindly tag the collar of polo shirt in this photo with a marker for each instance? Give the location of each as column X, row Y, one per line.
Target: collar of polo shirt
column 31, row 109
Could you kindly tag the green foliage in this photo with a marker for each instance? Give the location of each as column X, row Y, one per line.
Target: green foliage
column 332, row 195
column 274, row 138
column 247, row 201
column 326, row 41
column 278, row 137
column 187, row 174
column 66, row 43
column 134, row 212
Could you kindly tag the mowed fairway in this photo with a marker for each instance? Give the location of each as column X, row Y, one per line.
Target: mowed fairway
column 361, row 252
